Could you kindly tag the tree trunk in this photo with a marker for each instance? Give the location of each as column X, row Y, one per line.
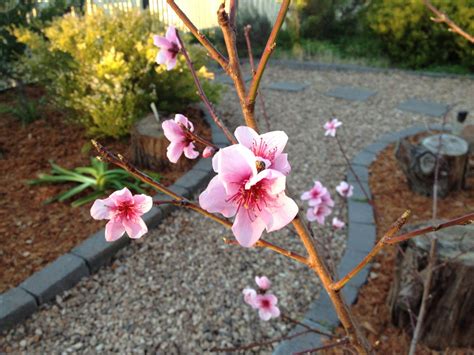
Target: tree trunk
column 418, row 162
column 449, row 320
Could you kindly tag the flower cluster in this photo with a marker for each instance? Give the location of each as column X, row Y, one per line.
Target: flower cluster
column 319, row 201
column 176, row 131
column 250, row 185
column 265, row 302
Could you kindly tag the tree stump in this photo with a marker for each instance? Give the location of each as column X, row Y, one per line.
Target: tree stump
column 148, row 145
column 449, row 320
column 418, row 162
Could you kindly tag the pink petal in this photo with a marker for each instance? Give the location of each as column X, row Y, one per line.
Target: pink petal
column 281, row 163
column 173, row 132
column 306, row 195
column 142, row 204
column 236, row 164
column 101, row 209
column 279, row 217
column 121, row 196
column 275, row 184
column 246, row 136
column 161, row 42
column 171, row 63
column 250, row 297
column 135, row 228
column 275, row 312
column 275, row 140
column 213, row 199
column 162, row 56
column 174, row 151
column 264, row 314
column 190, row 151
column 263, row 282
column 247, row 231
column 113, row 230
column 171, row 35
column 179, row 118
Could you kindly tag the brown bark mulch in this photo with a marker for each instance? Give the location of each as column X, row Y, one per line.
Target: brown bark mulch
column 32, row 234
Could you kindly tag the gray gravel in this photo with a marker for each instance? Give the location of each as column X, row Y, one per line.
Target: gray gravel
column 178, row 290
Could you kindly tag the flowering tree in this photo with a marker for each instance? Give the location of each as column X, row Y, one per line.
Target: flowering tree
column 250, row 180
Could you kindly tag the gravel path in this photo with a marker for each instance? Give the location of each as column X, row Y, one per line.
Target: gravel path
column 178, row 290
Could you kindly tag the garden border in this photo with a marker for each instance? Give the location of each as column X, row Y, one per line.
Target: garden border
column 18, row 303
column 361, row 237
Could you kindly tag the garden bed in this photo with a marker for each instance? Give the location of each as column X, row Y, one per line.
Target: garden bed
column 392, row 197
column 32, row 233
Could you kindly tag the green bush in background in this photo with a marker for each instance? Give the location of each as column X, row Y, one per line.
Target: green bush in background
column 102, row 68
column 413, row 40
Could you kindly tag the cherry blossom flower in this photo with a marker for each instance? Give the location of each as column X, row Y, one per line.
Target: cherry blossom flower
column 318, row 213
column 256, row 198
column 175, row 132
column 344, row 189
column 266, row 305
column 317, row 195
column 169, row 48
column 331, row 127
column 268, row 147
column 208, row 152
column 249, row 297
column 123, row 210
column 263, row 282
column 337, row 223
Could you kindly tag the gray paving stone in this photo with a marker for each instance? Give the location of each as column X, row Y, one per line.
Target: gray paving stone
column 361, row 171
column 287, row 86
column 423, row 107
column 361, row 237
column 351, row 93
column 360, row 212
column 204, row 165
column 15, row 305
column 350, row 260
column 300, row 343
column 224, row 79
column 322, row 312
column 194, row 179
column 376, row 147
column 96, row 251
column 220, row 139
column 358, row 194
column 60, row 275
column 350, row 293
column 363, row 158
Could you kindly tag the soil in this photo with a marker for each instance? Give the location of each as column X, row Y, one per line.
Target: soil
column 32, row 233
column 392, row 197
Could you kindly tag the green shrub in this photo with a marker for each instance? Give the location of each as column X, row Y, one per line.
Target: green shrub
column 102, row 67
column 412, row 39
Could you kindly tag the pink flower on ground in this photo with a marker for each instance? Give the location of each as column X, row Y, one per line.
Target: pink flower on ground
column 344, row 189
column 266, row 305
column 169, row 48
column 267, row 147
column 123, row 211
column 263, row 282
column 256, row 198
column 318, row 213
column 179, row 141
column 208, row 152
column 337, row 223
column 250, row 296
column 331, row 127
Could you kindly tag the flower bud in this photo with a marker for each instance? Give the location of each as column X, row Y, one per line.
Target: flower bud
column 208, row 152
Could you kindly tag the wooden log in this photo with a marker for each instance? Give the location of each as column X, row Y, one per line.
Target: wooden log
column 449, row 320
column 418, row 162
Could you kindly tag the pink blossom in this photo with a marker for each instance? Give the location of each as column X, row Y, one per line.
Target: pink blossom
column 250, row 296
column 331, row 127
column 169, row 48
column 318, row 213
column 256, row 198
column 344, row 189
column 263, row 282
column 123, row 210
column 208, row 152
column 266, row 305
column 315, row 195
column 268, row 147
column 175, row 132
column 337, row 223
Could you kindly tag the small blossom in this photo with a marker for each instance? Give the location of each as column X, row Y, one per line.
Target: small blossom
column 337, row 223
column 169, row 48
column 175, row 132
column 123, row 210
column 263, row 282
column 250, row 296
column 344, row 189
column 266, row 305
column 318, row 213
column 314, row 196
column 331, row 127
column 208, row 152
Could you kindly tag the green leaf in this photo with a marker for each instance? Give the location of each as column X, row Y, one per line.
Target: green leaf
column 74, row 191
column 87, row 199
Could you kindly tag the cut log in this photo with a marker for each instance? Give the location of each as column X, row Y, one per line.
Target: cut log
column 449, row 320
column 148, row 145
column 418, row 162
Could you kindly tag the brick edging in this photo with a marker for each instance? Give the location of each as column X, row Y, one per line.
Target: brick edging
column 20, row 302
column 361, row 237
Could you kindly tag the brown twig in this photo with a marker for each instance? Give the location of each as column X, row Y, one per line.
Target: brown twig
column 202, row 94
column 233, row 5
column 301, row 324
column 442, row 17
column 269, row 47
column 252, row 68
column 213, row 52
column 338, row 342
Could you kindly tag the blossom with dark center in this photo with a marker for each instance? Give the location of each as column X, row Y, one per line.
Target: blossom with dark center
column 175, row 132
column 169, row 48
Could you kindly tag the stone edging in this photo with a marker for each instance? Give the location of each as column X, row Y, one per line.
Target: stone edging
column 360, row 240
column 20, row 302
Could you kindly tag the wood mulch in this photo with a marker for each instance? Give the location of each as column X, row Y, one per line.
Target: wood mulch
column 392, row 197
column 32, row 234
